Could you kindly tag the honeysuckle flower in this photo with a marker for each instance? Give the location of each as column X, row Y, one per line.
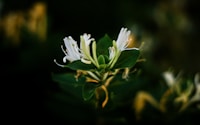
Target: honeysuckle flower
column 174, row 83
column 111, row 52
column 102, row 69
column 119, row 45
column 183, row 96
column 85, row 50
column 122, row 40
column 72, row 52
column 196, row 96
column 169, row 78
column 85, row 47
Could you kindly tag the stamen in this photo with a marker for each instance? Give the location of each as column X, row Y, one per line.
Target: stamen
column 58, row 63
column 63, row 49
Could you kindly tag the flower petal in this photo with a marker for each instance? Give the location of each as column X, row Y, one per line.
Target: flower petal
column 72, row 51
column 122, row 40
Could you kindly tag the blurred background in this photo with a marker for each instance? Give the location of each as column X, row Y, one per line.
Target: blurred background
column 32, row 31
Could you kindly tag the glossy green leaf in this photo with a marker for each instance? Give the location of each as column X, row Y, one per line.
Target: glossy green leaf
column 127, row 59
column 78, row 65
column 103, row 44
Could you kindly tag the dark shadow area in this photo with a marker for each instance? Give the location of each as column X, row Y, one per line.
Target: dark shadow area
column 31, row 38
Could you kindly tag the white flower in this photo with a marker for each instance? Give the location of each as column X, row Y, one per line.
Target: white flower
column 87, row 39
column 111, row 52
column 196, row 96
column 169, row 78
column 72, row 52
column 123, row 39
column 85, row 47
column 120, row 45
column 172, row 80
column 85, row 50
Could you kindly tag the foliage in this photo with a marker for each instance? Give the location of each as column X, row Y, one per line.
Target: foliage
column 114, row 80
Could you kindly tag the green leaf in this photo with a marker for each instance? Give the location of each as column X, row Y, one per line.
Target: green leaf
column 78, row 65
column 101, row 59
column 67, row 83
column 63, row 78
column 103, row 44
column 88, row 91
column 68, row 78
column 127, row 59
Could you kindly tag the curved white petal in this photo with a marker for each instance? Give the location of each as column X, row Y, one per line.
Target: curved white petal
column 122, row 40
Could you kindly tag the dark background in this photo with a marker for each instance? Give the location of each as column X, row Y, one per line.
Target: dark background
column 26, row 69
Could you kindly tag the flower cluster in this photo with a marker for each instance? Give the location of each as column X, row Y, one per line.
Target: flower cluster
column 102, row 63
column 184, row 96
column 99, row 61
column 180, row 93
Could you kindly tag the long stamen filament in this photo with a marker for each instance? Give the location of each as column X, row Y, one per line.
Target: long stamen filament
column 58, row 63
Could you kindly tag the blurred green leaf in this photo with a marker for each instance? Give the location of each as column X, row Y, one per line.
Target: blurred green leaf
column 64, row 78
column 88, row 90
column 69, row 84
column 68, row 78
column 103, row 44
column 127, row 59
